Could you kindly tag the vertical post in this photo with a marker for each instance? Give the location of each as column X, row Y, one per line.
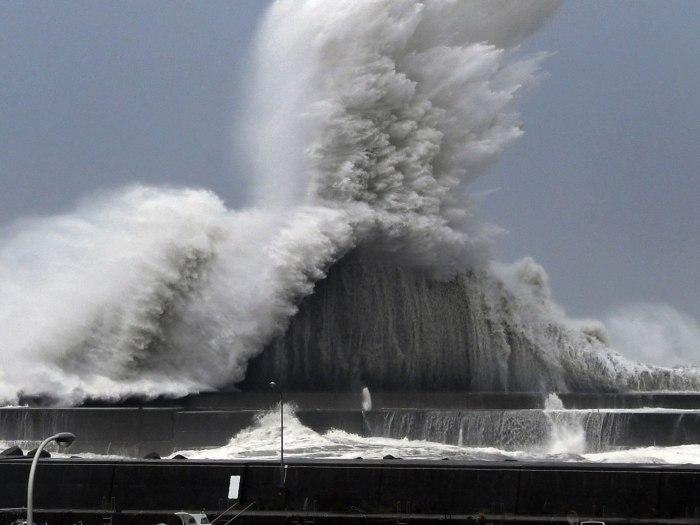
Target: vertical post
column 282, row 480
column 30, row 484
column 62, row 438
column 274, row 386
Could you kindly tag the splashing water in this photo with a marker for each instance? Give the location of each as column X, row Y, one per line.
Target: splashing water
column 366, row 400
column 566, row 435
column 261, row 441
column 553, row 402
column 369, row 118
column 655, row 333
column 365, row 126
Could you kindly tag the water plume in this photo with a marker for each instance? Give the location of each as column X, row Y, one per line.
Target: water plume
column 368, row 119
column 655, row 333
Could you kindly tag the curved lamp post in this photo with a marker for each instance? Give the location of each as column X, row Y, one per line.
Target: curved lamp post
column 274, row 387
column 63, row 439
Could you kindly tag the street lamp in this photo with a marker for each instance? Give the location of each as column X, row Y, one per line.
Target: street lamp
column 275, row 388
column 63, row 439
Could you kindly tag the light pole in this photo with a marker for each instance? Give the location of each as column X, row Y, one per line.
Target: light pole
column 275, row 388
column 63, row 439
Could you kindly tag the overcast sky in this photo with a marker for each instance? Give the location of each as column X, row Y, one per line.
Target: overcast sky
column 603, row 190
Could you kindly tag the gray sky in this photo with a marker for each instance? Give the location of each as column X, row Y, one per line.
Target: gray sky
column 603, row 190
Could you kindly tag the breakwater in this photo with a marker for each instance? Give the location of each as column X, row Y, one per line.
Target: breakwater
column 510, row 422
column 388, row 400
column 134, row 432
column 599, row 430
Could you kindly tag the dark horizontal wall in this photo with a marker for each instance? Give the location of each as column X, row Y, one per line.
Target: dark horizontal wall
column 134, row 432
column 524, row 429
column 380, row 399
column 208, row 428
column 108, row 431
column 336, row 400
column 679, row 400
column 605, row 491
column 663, row 429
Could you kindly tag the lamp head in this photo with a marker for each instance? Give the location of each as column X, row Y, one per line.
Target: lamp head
column 64, row 439
column 273, row 385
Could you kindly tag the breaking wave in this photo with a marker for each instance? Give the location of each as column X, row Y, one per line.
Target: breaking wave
column 369, row 117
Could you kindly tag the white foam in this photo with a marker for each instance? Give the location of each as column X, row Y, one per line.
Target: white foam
column 681, row 454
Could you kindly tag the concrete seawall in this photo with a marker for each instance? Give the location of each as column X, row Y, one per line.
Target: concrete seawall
column 390, row 400
column 134, row 432
column 210, row 420
column 527, row 429
column 351, row 488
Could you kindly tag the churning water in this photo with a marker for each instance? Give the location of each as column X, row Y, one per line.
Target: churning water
column 261, row 441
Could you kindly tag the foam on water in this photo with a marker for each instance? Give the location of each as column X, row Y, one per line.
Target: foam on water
column 679, row 455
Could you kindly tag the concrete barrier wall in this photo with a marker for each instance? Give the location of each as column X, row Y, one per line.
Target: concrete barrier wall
column 382, row 400
column 208, row 428
column 324, row 420
column 528, row 429
column 57, row 485
column 361, row 487
column 679, row 400
column 334, row 400
column 118, row 431
column 661, row 429
column 134, row 432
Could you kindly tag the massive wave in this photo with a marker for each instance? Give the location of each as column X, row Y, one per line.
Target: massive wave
column 367, row 120
column 377, row 322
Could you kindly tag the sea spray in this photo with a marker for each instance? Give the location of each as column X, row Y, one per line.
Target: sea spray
column 150, row 291
column 378, row 322
column 365, row 127
column 369, row 117
column 566, row 433
column 366, row 400
column 553, row 402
